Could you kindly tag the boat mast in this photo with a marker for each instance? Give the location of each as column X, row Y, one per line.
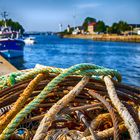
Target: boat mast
column 4, row 15
column 74, row 18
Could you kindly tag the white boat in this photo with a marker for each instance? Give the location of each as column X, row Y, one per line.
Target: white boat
column 30, row 40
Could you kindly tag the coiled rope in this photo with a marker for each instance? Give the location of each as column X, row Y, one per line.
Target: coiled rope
column 111, row 111
column 80, row 69
column 20, row 102
column 84, row 69
column 93, row 69
column 122, row 110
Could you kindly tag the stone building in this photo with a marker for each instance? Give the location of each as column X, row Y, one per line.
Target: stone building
column 91, row 27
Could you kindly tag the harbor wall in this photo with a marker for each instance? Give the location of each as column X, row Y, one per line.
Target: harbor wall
column 6, row 67
column 105, row 37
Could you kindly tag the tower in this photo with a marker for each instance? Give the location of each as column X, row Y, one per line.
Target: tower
column 60, row 27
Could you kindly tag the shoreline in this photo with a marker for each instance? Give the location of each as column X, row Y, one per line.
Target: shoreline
column 105, row 37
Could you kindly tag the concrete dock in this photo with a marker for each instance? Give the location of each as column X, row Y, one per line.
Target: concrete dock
column 6, row 67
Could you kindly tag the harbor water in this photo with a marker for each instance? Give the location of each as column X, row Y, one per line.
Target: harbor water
column 63, row 53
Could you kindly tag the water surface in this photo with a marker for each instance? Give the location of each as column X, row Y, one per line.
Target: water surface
column 58, row 52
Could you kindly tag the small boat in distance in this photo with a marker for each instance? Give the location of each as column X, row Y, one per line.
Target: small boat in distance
column 11, row 44
column 30, row 40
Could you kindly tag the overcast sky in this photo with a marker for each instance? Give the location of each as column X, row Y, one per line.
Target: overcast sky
column 46, row 15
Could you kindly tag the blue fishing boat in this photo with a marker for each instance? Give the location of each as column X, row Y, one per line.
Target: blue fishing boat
column 11, row 44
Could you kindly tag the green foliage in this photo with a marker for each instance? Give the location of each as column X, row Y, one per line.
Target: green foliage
column 87, row 21
column 1, row 23
column 123, row 26
column 119, row 27
column 114, row 28
column 14, row 25
column 100, row 27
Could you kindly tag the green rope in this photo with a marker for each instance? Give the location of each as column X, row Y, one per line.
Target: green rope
column 100, row 72
column 13, row 78
column 34, row 72
column 9, row 80
column 51, row 85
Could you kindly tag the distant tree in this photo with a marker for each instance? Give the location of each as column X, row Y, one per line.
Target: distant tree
column 16, row 26
column 115, row 28
column 87, row 21
column 109, row 30
column 119, row 27
column 123, row 26
column 1, row 22
column 100, row 27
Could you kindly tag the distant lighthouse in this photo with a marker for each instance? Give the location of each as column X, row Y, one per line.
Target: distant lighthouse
column 60, row 27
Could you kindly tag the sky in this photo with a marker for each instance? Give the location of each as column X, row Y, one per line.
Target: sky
column 46, row 15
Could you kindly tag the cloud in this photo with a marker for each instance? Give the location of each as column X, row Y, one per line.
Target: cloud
column 88, row 5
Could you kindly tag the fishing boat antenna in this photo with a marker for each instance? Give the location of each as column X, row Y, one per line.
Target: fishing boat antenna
column 4, row 15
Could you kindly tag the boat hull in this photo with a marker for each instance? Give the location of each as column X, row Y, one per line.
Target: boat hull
column 12, row 53
column 11, row 48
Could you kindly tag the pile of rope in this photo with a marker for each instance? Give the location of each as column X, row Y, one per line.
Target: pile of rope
column 83, row 102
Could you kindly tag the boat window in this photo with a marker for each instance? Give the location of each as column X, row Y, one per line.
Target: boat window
column 8, row 35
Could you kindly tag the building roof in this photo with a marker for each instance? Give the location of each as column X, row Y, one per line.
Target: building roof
column 134, row 25
column 91, row 23
column 80, row 27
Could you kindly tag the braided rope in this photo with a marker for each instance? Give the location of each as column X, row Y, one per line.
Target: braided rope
column 111, row 111
column 15, row 77
column 6, row 81
column 36, row 71
column 122, row 110
column 33, row 104
column 100, row 72
column 10, row 80
column 107, row 133
column 96, row 122
column 20, row 102
column 50, row 115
